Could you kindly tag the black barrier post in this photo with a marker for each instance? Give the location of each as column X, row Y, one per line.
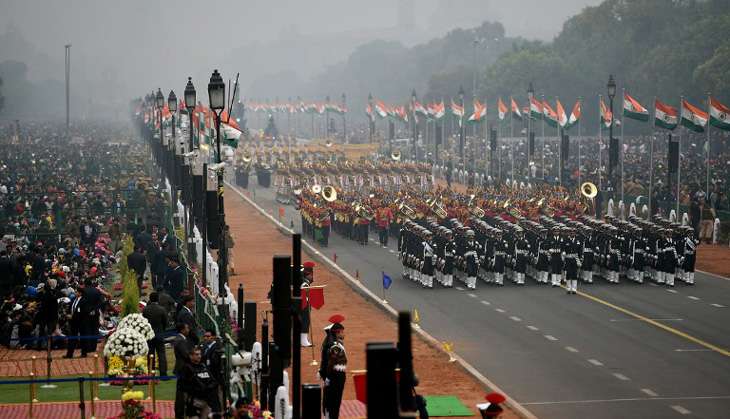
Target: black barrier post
column 240, row 312
column 264, row 390
column 82, row 405
column 281, row 306
column 296, row 324
column 405, row 361
column 382, row 390
column 249, row 325
column 311, row 401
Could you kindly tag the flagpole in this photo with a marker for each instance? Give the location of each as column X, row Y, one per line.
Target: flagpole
column 580, row 141
column 542, row 153
column 623, row 91
column 600, row 144
column 679, row 150
column 707, row 149
column 512, row 136
column 560, row 143
column 651, row 161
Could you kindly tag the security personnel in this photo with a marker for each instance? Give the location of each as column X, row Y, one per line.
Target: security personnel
column 336, row 372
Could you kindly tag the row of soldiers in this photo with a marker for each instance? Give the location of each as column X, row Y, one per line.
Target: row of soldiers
column 550, row 250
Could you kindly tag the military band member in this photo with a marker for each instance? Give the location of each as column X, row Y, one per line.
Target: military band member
column 383, row 218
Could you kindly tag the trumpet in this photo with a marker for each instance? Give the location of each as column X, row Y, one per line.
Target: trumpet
column 329, row 193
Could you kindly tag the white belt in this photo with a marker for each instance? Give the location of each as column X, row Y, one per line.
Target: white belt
column 340, row 367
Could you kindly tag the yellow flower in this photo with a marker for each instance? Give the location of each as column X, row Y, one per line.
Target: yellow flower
column 266, row 414
column 141, row 362
column 132, row 395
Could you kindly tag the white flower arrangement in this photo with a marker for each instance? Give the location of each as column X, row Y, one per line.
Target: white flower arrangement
column 139, row 323
column 126, row 342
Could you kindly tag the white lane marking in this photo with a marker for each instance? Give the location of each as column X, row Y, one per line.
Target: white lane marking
column 692, row 297
column 596, row 362
column 649, row 392
column 659, row 320
column 515, row 318
column 486, row 303
column 499, row 310
column 533, row 328
column 550, row 337
column 571, row 349
column 459, row 288
column 472, row 295
column 717, row 305
column 679, row 409
column 634, row 399
column 672, row 291
column 621, row 376
column 693, row 350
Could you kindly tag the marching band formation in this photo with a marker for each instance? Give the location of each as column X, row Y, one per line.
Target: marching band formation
column 492, row 233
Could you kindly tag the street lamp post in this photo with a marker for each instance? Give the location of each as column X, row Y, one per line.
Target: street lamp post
column 172, row 146
column 217, row 97
column 190, row 100
column 461, row 128
column 160, row 102
column 611, row 87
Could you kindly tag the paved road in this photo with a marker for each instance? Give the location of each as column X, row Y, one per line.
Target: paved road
column 626, row 350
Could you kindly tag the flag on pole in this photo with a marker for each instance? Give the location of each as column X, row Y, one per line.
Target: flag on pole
column 419, row 109
column 665, row 116
column 693, row 118
column 480, row 111
column 387, row 282
column 516, row 113
column 501, row 109
column 536, row 111
column 562, row 117
column 550, row 116
column 457, row 110
column 719, row 115
column 574, row 116
column 634, row 110
column 369, row 112
column 381, row 109
column 401, row 113
column 606, row 116
column 439, row 110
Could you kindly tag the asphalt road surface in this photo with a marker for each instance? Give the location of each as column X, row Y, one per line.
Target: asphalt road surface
column 625, row 350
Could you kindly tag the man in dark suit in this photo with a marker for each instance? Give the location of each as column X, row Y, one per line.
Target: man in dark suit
column 212, row 353
column 138, row 263
column 182, row 347
column 157, row 316
column 85, row 318
column 174, row 277
column 88, row 232
column 185, row 315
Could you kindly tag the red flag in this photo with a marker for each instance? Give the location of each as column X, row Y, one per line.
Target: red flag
column 316, row 298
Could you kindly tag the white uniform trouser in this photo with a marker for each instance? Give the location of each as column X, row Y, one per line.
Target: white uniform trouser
column 572, row 285
column 471, row 282
column 555, row 279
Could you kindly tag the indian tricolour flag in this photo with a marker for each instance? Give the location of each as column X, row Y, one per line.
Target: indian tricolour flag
column 419, row 109
column 665, row 116
column 457, row 110
column 480, row 111
column 574, row 115
column 381, row 109
column 693, row 118
column 439, row 110
column 501, row 109
column 606, row 115
column 550, row 116
column 634, row 110
column 719, row 115
column 536, row 111
column 562, row 116
column 516, row 113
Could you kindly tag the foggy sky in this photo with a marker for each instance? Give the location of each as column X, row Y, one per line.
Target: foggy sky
column 122, row 49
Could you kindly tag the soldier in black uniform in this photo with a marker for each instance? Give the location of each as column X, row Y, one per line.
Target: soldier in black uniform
column 573, row 254
column 613, row 260
column 690, row 254
column 470, row 256
column 334, row 369
column 543, row 254
column 500, row 252
column 555, row 246
column 669, row 258
column 638, row 255
column 305, row 313
column 448, row 268
column 522, row 254
column 427, row 260
column 589, row 248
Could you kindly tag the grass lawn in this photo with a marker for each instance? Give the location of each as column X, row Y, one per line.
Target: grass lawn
column 12, row 393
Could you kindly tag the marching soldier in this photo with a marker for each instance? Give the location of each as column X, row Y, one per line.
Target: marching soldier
column 448, row 268
column 543, row 254
column 589, row 247
column 427, row 261
column 522, row 254
column 555, row 244
column 470, row 256
column 690, row 249
column 668, row 258
column 573, row 252
column 500, row 249
column 383, row 218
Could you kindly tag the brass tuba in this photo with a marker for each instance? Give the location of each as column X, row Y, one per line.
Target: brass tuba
column 437, row 207
column 589, row 191
column 316, row 189
column 329, row 193
column 407, row 211
column 474, row 209
column 395, row 156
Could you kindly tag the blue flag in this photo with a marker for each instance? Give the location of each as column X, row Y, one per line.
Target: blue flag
column 386, row 281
